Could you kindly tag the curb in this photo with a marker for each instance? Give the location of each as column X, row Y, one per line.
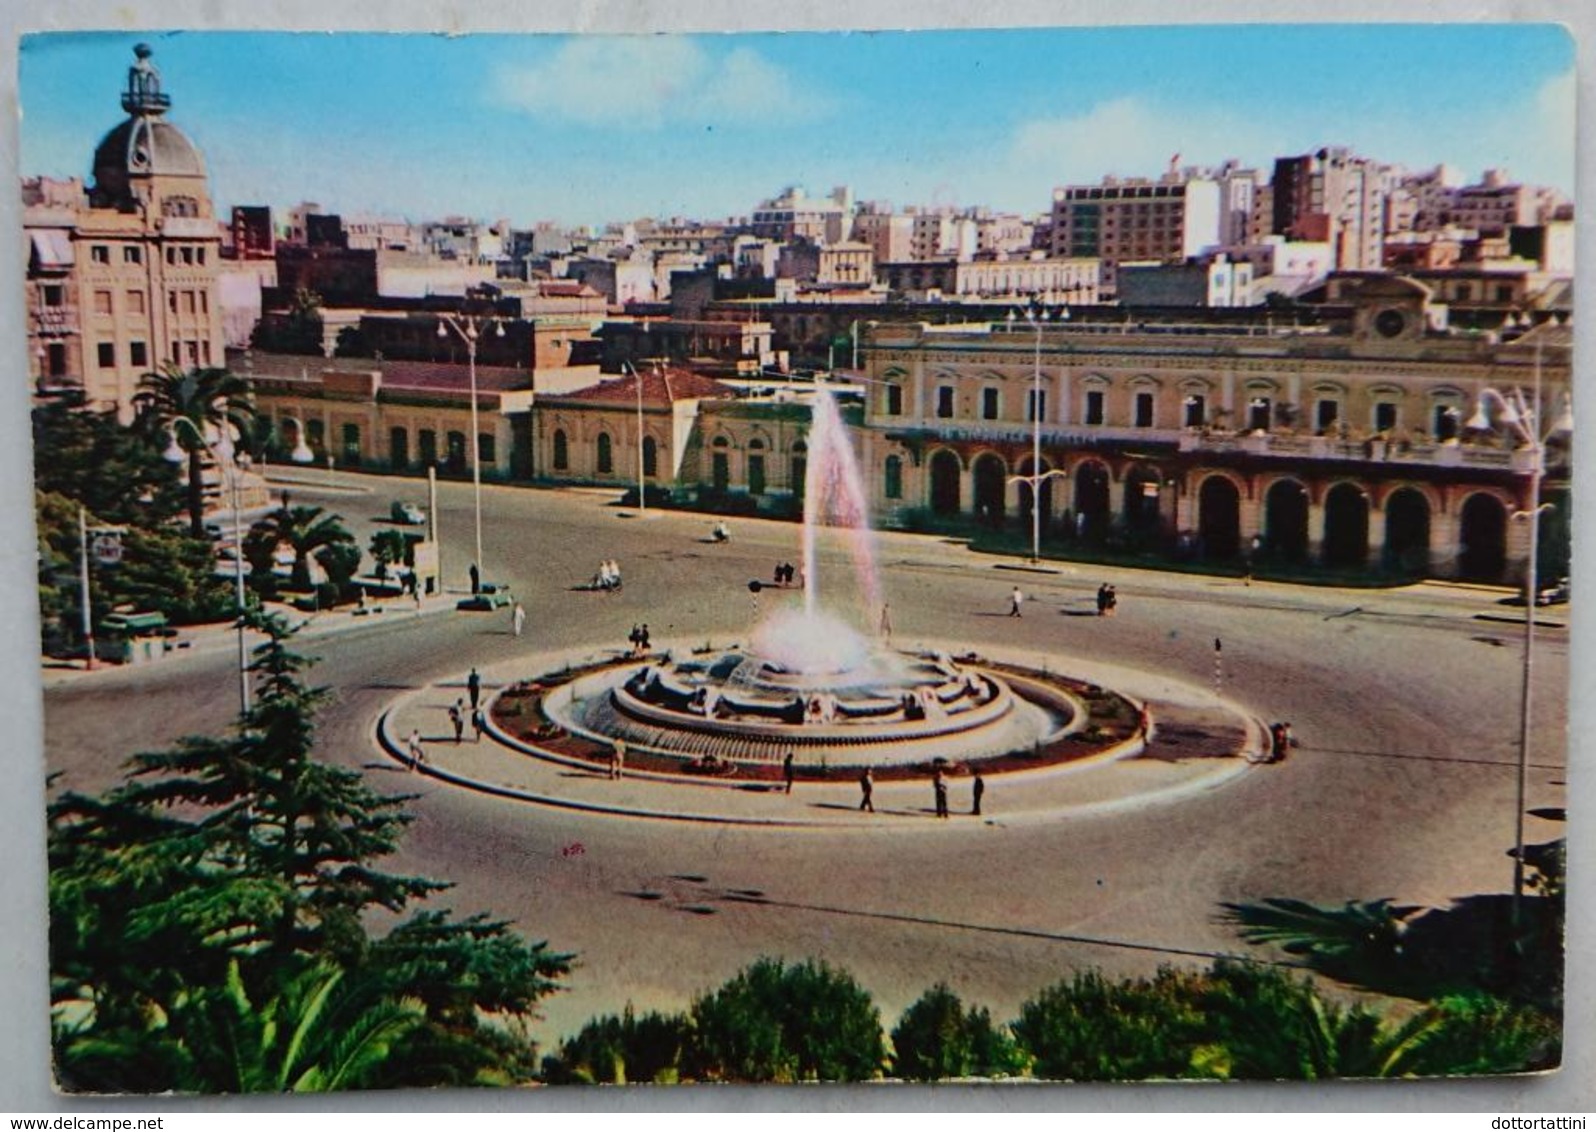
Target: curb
column 1230, row 767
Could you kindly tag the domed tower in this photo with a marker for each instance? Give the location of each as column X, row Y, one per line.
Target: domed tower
column 146, row 163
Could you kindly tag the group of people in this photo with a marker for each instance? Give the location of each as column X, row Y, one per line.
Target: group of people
column 639, row 638
column 939, row 790
column 784, row 574
column 608, row 576
column 458, row 710
column 1107, row 600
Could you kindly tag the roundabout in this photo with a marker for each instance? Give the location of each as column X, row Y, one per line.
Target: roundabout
column 1111, row 738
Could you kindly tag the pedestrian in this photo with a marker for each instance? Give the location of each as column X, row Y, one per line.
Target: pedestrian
column 617, row 758
column 518, row 619
column 643, row 640
column 1279, row 739
column 867, row 786
column 415, row 591
column 474, row 686
column 417, row 754
column 457, row 718
column 476, row 580
column 1102, row 599
column 787, row 771
column 1110, row 600
column 1015, row 599
column 886, row 622
column 479, row 724
column 635, row 639
column 940, row 787
column 977, row 792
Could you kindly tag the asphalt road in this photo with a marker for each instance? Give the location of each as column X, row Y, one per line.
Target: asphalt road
column 1405, row 704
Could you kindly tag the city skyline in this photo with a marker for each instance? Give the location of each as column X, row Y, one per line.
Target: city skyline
column 718, row 123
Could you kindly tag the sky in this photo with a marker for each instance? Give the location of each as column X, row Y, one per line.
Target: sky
column 591, row 129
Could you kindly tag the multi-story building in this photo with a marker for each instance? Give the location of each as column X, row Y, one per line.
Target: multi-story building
column 1347, row 443
column 1012, row 280
column 793, row 215
column 125, row 281
column 1336, row 197
column 1167, row 221
column 889, row 234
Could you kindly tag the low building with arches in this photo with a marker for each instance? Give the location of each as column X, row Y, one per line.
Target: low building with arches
column 1373, row 440
column 609, row 433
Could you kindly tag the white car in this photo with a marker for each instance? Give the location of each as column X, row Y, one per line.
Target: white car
column 407, row 513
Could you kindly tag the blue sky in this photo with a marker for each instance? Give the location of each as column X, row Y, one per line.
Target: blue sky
column 589, row 129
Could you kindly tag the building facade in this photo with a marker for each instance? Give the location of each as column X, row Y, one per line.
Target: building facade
column 1164, row 221
column 124, row 281
column 1343, row 446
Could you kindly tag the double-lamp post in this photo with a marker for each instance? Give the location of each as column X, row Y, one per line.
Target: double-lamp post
column 222, row 454
column 1037, row 477
column 469, row 327
column 1522, row 416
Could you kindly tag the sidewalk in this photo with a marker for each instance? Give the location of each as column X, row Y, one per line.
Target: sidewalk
column 220, row 636
column 1199, row 744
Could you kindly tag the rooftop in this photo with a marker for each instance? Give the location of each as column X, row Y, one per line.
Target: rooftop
column 661, row 386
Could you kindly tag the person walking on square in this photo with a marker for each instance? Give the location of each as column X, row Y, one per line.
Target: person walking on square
column 479, row 724
column 476, row 580
column 940, row 787
column 418, row 754
column 457, row 718
column 978, row 792
column 788, row 771
column 867, row 786
column 618, row 759
column 886, row 622
column 518, row 619
column 474, row 687
column 1015, row 599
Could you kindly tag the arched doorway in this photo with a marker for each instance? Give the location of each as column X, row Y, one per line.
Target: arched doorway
column 1219, row 518
column 990, row 474
column 1482, row 557
column 944, row 483
column 1286, row 521
column 1027, row 468
column 1091, row 500
column 1407, row 532
column 1346, row 527
column 1142, row 488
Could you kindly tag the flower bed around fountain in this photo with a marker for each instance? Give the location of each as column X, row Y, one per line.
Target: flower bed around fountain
column 574, row 714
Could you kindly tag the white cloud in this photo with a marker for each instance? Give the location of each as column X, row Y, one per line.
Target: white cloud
column 649, row 82
column 1132, row 137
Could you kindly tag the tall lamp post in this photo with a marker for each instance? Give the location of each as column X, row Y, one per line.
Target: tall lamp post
column 1037, row 476
column 222, row 453
column 1523, row 417
column 469, row 328
column 642, row 483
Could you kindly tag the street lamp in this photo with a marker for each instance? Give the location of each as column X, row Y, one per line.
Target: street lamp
column 642, row 485
column 1037, row 476
column 1522, row 415
column 222, row 453
column 468, row 327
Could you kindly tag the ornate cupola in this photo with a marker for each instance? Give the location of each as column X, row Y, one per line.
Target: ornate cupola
column 146, row 162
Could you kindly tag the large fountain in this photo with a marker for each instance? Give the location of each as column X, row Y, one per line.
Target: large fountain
column 809, row 681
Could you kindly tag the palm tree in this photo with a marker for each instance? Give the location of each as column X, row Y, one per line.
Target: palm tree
column 211, row 400
column 306, row 530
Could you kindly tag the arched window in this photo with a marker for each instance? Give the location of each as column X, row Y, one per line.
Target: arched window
column 606, row 458
column 650, row 457
column 894, row 470
column 562, row 451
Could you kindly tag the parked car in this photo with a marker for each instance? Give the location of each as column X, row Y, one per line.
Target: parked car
column 407, row 513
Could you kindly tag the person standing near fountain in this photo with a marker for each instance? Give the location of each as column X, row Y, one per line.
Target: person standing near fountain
column 788, row 771
column 940, row 787
column 867, row 786
column 617, row 758
column 978, row 791
column 1015, row 599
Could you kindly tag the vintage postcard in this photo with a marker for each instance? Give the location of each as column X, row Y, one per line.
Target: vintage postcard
column 972, row 554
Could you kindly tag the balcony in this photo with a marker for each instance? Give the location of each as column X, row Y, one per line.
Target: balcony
column 1296, row 446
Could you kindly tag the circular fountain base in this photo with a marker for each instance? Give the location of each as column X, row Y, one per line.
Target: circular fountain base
column 885, row 708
